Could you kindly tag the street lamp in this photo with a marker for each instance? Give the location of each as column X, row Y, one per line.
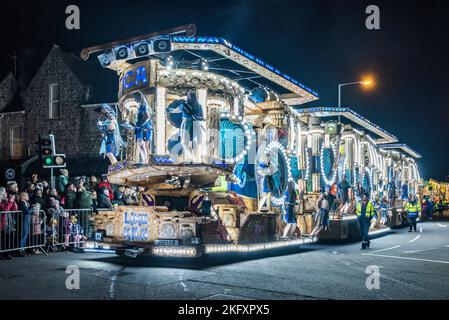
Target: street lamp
column 363, row 83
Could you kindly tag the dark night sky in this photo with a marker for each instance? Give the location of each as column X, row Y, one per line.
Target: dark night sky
column 319, row 42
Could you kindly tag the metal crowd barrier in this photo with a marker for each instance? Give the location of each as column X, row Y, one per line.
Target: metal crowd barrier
column 69, row 227
column 22, row 232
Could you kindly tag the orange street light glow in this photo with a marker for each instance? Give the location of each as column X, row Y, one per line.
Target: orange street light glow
column 368, row 82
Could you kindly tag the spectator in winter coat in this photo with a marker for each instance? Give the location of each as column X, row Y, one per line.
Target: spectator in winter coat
column 118, row 196
column 93, row 183
column 94, row 201
column 30, row 189
column 25, row 221
column 53, row 194
column 70, row 197
column 37, row 198
column 62, row 180
column 13, row 189
column 7, row 223
column 103, row 199
column 105, row 184
column 34, row 179
column 83, row 198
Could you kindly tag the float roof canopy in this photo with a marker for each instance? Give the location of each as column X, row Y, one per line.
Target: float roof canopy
column 228, row 60
column 250, row 71
column 384, row 136
column 402, row 146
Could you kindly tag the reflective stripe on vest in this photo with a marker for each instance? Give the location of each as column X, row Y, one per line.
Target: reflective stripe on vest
column 412, row 208
column 369, row 209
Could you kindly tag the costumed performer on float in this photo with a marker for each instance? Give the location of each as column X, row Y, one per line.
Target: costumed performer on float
column 112, row 140
column 191, row 130
column 290, row 198
column 143, row 131
column 266, row 169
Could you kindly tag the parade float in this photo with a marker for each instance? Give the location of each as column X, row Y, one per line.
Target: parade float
column 438, row 193
column 213, row 135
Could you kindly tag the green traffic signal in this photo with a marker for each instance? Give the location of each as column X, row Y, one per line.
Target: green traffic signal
column 48, row 161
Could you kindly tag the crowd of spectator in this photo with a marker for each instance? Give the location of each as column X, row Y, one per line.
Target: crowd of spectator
column 38, row 202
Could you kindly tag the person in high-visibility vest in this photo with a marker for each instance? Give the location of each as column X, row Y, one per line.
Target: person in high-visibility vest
column 413, row 210
column 365, row 212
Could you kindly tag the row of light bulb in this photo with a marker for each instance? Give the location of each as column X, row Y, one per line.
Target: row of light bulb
column 173, row 251
column 253, row 247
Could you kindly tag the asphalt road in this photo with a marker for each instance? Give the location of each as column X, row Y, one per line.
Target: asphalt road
column 411, row 266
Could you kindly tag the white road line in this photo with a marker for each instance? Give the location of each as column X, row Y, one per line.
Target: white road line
column 184, row 286
column 385, row 249
column 420, row 230
column 405, row 258
column 420, row 250
column 441, row 225
column 447, row 246
column 416, row 238
column 112, row 287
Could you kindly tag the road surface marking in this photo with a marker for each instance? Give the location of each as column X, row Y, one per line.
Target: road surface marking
column 416, row 238
column 441, row 225
column 420, row 230
column 111, row 288
column 405, row 258
column 419, row 250
column 185, row 287
column 385, row 249
column 447, row 246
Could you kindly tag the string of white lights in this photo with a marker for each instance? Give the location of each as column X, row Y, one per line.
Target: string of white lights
column 249, row 135
column 334, row 173
column 276, row 145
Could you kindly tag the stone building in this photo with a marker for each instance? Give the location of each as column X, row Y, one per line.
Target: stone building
column 62, row 97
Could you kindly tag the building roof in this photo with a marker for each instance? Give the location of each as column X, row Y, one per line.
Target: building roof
column 14, row 105
column 104, row 86
column 8, row 90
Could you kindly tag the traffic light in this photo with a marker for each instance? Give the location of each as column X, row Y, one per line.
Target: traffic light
column 47, row 153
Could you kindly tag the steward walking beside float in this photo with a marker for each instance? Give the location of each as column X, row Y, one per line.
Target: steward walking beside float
column 365, row 212
column 413, row 210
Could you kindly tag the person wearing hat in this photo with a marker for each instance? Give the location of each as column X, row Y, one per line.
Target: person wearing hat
column 62, row 180
column 365, row 212
column 413, row 210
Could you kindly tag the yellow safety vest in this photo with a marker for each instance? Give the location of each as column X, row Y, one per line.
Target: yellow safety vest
column 370, row 211
column 412, row 208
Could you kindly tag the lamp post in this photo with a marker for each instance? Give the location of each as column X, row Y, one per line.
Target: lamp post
column 364, row 83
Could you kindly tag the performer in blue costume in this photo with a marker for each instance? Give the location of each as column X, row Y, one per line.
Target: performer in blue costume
column 266, row 170
column 112, row 140
column 144, row 132
column 290, row 197
column 191, row 130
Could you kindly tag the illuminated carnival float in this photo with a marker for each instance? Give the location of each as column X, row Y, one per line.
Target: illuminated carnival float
column 213, row 135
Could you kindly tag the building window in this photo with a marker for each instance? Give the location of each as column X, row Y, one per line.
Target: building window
column 54, row 104
column 16, row 142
